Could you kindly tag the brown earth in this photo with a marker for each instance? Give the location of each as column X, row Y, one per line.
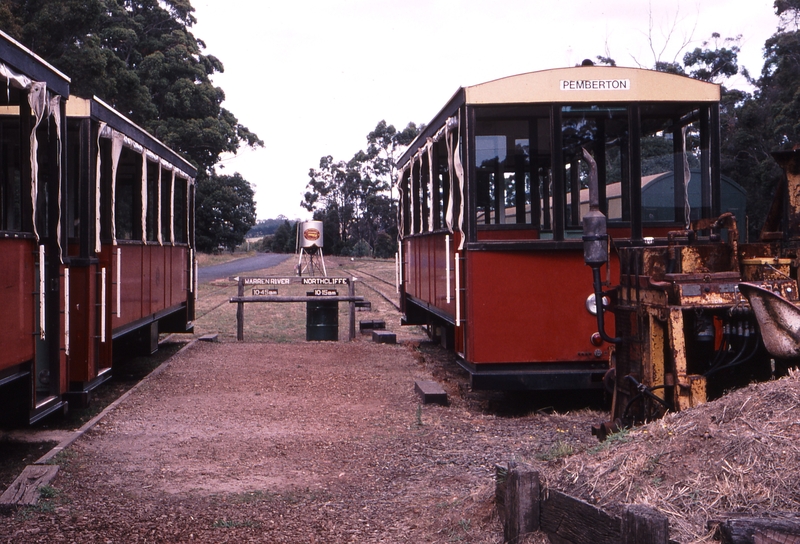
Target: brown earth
column 312, row 442
column 289, row 441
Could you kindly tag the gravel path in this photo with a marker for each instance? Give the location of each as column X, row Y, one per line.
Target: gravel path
column 305, row 442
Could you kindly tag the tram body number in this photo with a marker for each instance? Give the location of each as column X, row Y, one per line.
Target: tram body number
column 264, row 292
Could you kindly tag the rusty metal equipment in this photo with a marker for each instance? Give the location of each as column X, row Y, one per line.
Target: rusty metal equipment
column 697, row 313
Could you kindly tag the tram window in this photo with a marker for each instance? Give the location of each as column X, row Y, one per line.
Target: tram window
column 670, row 144
column 441, row 196
column 166, row 204
column 10, row 183
column 105, row 189
column 603, row 131
column 503, row 171
column 405, row 202
column 128, row 201
column 490, row 152
column 152, row 202
column 73, row 180
column 416, row 208
column 424, row 196
column 181, row 218
column 42, row 194
column 441, row 186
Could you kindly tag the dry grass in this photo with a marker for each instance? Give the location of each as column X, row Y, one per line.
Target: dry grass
column 209, row 259
column 738, row 454
column 286, row 322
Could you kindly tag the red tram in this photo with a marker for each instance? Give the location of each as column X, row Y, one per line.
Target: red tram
column 96, row 223
column 492, row 196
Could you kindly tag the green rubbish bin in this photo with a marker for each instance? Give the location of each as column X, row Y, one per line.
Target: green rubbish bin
column 322, row 320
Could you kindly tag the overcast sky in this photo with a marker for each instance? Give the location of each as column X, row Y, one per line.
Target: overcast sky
column 313, row 77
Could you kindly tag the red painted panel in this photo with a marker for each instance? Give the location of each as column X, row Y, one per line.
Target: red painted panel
column 529, row 307
column 83, row 332
column 426, row 270
column 178, row 275
column 132, row 278
column 17, row 274
column 157, row 277
column 153, row 279
column 146, row 281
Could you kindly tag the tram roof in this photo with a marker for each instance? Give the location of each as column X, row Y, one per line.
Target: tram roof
column 97, row 109
column 578, row 84
column 592, row 84
column 28, row 63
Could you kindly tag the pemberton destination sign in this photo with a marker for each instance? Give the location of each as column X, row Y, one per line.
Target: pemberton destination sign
column 595, row 85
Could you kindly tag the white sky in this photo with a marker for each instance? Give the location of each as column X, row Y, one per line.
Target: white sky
column 314, row 77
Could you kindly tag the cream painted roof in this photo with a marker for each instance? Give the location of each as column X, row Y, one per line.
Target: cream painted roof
column 606, row 83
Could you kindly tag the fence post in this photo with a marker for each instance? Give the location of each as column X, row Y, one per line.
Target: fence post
column 240, row 312
column 352, row 293
column 522, row 494
column 644, row 525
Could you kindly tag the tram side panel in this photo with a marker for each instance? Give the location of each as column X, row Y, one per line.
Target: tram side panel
column 427, row 278
column 529, row 307
column 17, row 292
column 84, row 320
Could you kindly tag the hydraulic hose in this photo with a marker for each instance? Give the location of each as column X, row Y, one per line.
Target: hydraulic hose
column 598, row 300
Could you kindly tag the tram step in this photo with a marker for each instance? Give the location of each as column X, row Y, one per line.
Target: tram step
column 384, row 337
column 370, row 324
column 430, row 392
column 25, row 489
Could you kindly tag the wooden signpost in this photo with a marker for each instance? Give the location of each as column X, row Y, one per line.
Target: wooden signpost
column 265, row 289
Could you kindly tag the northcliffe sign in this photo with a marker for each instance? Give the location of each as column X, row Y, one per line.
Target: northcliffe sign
column 595, row 85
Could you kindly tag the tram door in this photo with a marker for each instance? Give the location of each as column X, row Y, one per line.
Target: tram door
column 49, row 368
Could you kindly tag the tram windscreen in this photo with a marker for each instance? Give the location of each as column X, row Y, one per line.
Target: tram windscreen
column 529, row 174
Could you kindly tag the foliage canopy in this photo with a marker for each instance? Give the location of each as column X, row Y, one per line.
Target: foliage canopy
column 141, row 57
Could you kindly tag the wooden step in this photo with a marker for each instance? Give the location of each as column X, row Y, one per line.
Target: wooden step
column 25, row 489
column 384, row 337
column 430, row 392
column 371, row 324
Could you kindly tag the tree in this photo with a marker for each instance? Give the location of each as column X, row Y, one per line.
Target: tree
column 141, row 57
column 225, row 212
column 353, row 199
column 283, row 240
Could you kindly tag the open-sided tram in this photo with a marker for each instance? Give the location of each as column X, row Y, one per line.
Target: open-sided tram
column 96, row 238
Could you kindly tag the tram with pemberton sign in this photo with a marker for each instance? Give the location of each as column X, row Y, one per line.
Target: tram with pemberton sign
column 493, row 193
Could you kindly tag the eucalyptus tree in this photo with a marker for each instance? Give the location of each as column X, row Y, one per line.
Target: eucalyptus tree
column 141, row 57
column 354, row 198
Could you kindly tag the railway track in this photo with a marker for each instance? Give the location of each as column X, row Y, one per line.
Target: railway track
column 384, row 288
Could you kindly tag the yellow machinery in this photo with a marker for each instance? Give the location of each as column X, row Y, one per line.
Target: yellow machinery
column 685, row 329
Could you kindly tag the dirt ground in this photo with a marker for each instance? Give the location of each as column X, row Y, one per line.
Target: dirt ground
column 311, row 442
column 280, row 440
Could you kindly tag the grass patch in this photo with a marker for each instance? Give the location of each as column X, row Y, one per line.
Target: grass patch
column 48, row 492
column 558, row 450
column 620, row 437
column 209, row 259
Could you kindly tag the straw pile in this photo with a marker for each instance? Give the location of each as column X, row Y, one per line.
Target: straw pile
column 739, row 454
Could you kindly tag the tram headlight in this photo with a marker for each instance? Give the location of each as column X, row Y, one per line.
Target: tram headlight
column 591, row 304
